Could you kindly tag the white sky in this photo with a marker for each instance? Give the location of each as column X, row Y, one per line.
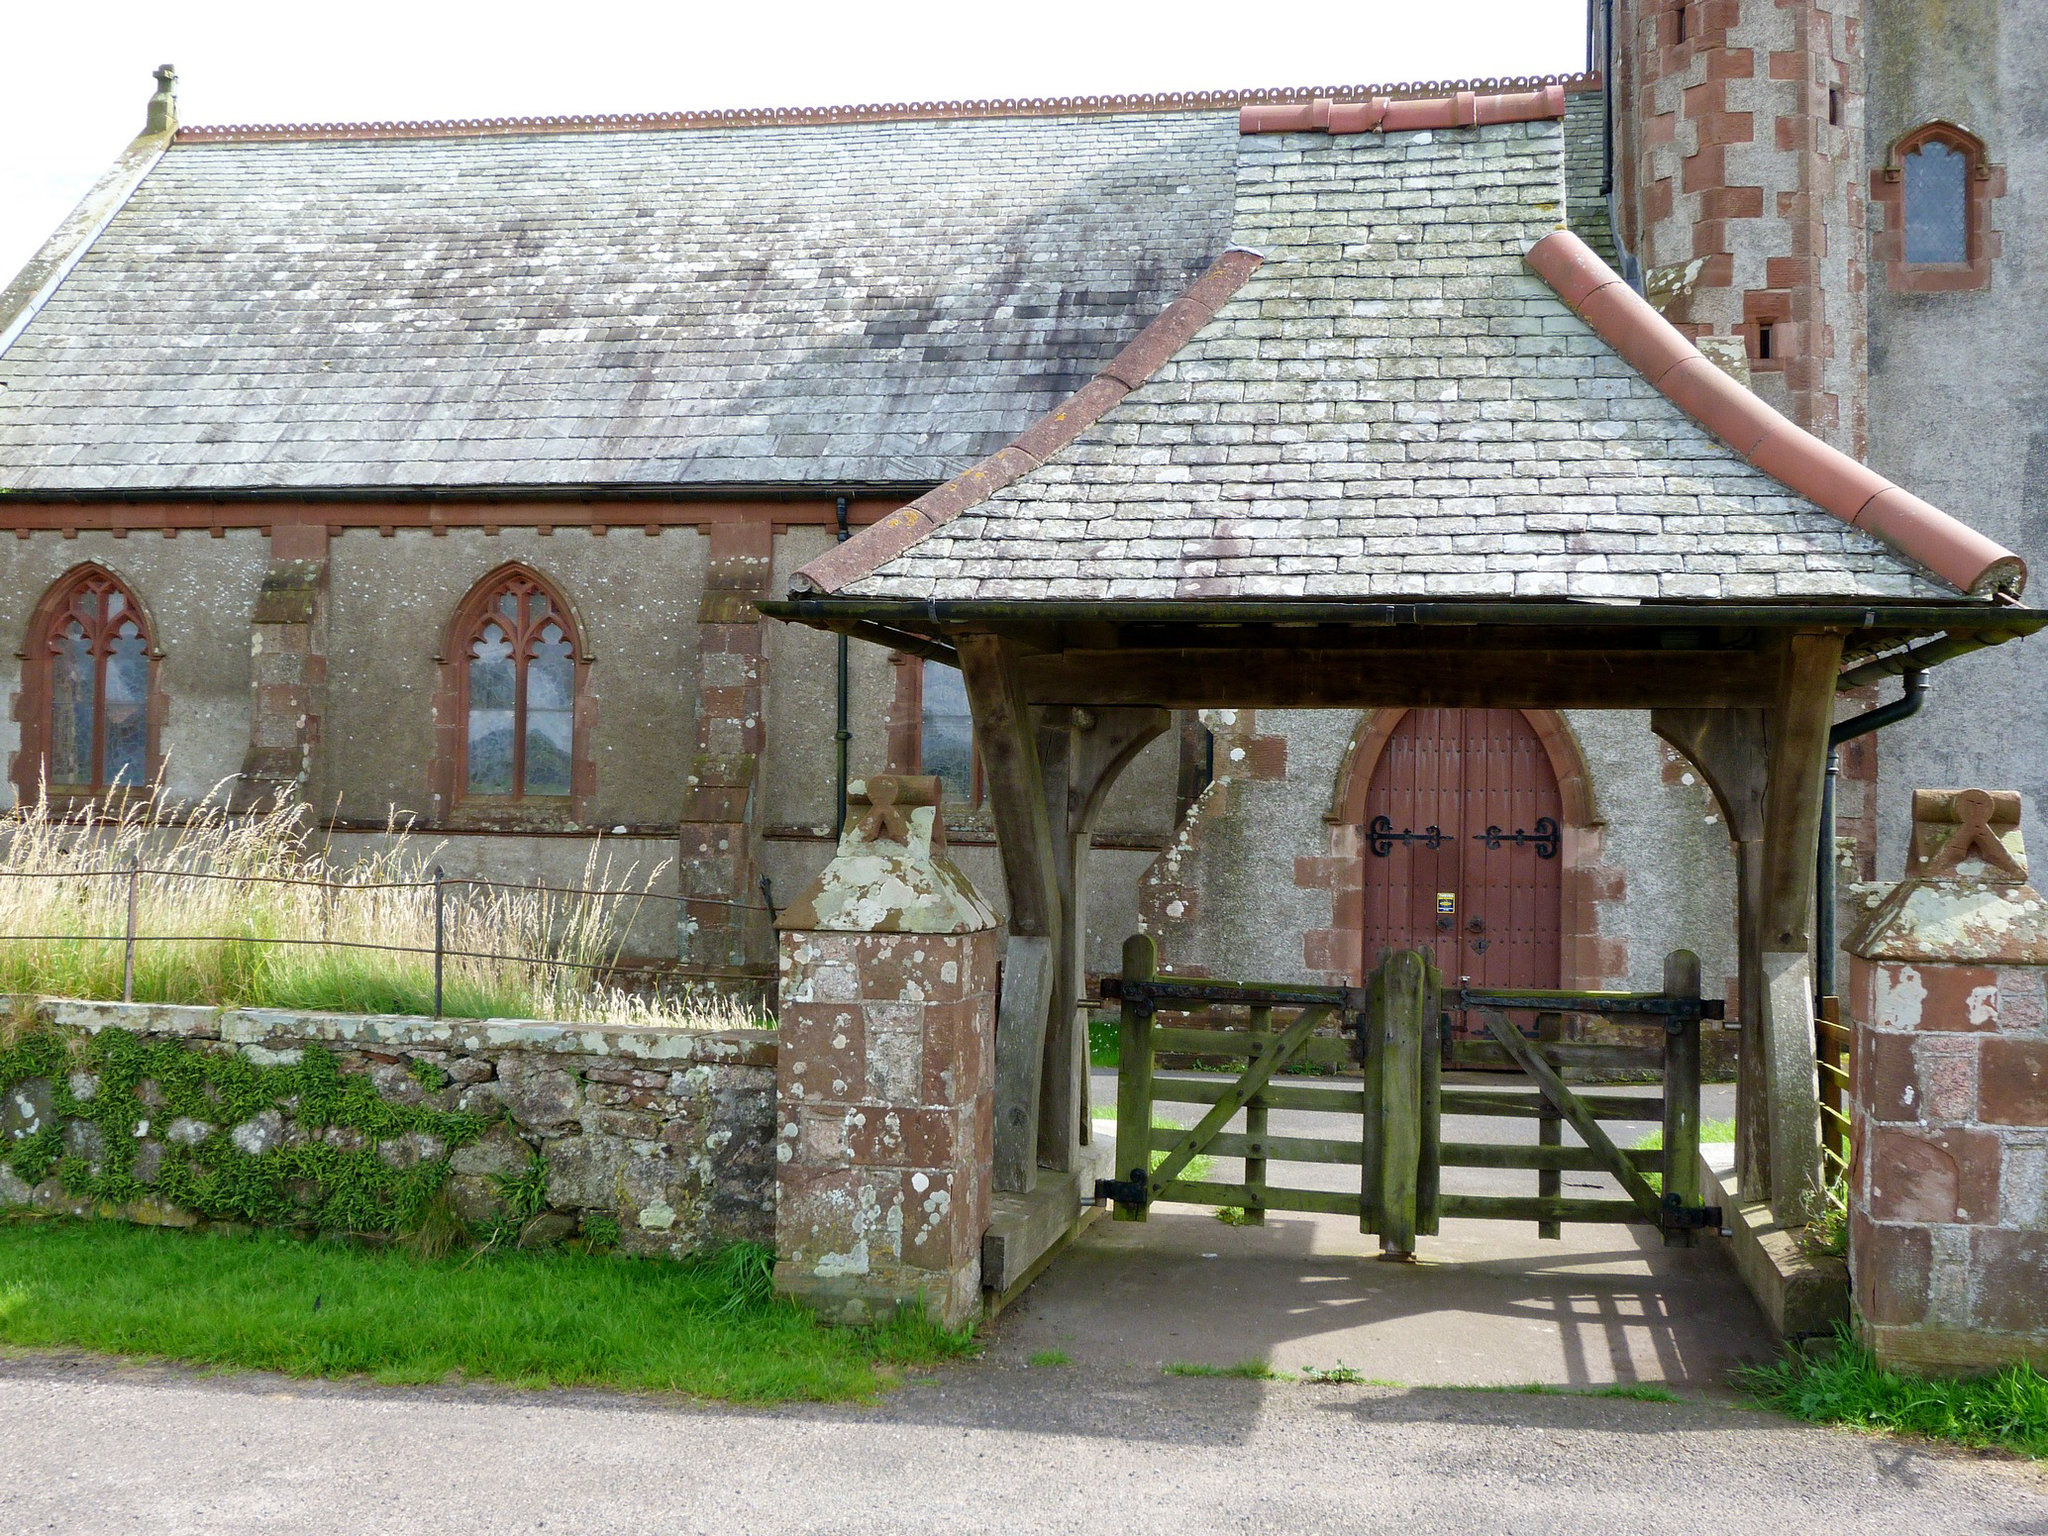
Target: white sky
column 78, row 76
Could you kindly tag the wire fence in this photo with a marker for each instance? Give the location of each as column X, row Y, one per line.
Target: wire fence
column 441, row 951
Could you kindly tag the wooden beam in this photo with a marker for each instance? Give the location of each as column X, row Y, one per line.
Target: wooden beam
column 1213, row 677
column 1801, row 713
column 1006, row 737
column 1800, row 717
column 1083, row 751
column 1731, row 749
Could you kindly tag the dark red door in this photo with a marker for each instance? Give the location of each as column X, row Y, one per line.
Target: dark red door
column 1464, row 848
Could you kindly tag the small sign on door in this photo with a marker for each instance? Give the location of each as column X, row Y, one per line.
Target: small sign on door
column 1447, row 901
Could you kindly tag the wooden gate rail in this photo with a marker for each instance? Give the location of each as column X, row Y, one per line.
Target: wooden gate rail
column 1399, row 1024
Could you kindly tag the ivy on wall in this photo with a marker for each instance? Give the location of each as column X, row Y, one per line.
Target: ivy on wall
column 329, row 1151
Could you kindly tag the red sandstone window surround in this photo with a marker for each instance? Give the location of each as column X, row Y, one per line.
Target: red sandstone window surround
column 90, row 708
column 1936, row 188
column 512, row 712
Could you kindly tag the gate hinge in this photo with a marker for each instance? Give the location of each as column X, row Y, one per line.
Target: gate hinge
column 1131, row 1191
column 1678, row 1216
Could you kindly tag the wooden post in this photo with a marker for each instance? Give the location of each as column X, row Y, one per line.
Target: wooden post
column 128, row 947
column 1429, row 1174
column 1255, row 1130
column 1549, row 1133
column 1008, row 744
column 1408, row 996
column 1134, row 1073
column 1730, row 748
column 1682, row 1093
column 1062, row 1075
column 1800, row 718
column 1083, row 751
column 1373, row 1024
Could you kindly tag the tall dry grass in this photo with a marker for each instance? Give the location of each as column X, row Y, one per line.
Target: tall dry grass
column 292, row 930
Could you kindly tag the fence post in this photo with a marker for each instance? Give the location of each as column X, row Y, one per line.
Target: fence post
column 440, row 934
column 1405, row 1002
column 1682, row 1093
column 1134, row 1073
column 128, row 947
column 1255, row 1123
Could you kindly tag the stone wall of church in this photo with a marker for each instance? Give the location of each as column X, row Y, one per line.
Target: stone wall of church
column 391, row 600
column 1956, row 382
column 637, row 597
column 197, row 593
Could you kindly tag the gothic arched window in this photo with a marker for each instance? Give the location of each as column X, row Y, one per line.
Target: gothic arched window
column 93, row 663
column 517, row 662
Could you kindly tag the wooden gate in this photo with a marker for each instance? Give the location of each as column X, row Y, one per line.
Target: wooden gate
column 1399, row 1038
column 1463, row 848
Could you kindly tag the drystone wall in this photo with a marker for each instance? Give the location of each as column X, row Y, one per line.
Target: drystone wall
column 656, row 1142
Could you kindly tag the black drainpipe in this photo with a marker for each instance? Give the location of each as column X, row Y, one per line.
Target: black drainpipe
column 845, row 732
column 1905, row 705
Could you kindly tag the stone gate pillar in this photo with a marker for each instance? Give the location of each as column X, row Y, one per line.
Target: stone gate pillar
column 885, row 1097
column 1948, row 1198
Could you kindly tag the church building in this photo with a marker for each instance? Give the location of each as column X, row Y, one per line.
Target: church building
column 435, row 471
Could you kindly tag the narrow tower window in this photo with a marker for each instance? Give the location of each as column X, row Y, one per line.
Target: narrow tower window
column 1937, row 204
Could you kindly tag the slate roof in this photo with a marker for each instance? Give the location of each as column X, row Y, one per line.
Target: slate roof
column 1391, row 406
column 861, row 302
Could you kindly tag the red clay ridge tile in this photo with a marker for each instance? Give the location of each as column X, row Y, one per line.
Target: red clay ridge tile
column 866, row 112
column 1385, row 114
column 1789, row 454
column 873, row 547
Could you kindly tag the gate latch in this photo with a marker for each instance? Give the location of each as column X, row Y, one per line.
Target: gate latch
column 1131, row 1191
column 1680, row 1217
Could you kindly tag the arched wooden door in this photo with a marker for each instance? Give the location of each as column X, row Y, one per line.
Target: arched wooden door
column 1464, row 848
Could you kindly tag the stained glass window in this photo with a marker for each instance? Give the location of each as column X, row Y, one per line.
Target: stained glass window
column 947, row 736
column 98, row 651
column 520, row 673
column 1937, row 204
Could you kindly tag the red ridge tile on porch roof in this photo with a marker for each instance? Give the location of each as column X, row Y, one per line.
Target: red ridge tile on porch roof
column 1825, row 476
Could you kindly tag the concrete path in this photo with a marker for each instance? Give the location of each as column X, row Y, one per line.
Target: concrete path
column 1489, row 1303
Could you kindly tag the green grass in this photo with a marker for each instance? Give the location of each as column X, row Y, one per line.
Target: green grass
column 1103, row 1049
column 265, row 1301
column 1846, row 1385
column 1244, row 1370
column 1636, row 1392
column 1711, row 1132
column 1052, row 1357
column 1198, row 1167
